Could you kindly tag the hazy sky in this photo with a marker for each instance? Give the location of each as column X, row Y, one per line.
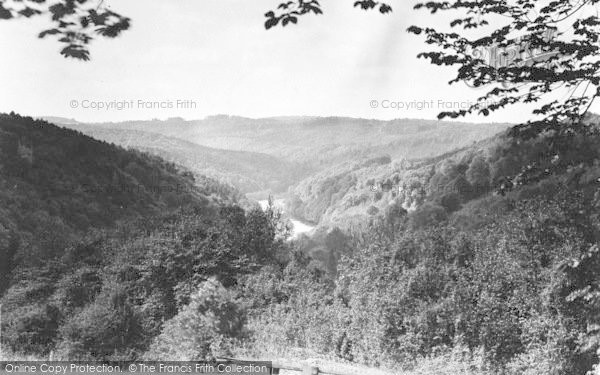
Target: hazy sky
column 215, row 57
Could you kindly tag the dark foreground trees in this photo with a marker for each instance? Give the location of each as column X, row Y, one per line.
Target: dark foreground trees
column 500, row 282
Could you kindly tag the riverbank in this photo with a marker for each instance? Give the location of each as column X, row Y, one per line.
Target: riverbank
column 298, row 227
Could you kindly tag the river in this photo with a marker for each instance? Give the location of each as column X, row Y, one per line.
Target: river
column 298, row 227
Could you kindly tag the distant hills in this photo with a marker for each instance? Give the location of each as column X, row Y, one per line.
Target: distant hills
column 358, row 192
column 247, row 171
column 276, row 153
column 354, row 192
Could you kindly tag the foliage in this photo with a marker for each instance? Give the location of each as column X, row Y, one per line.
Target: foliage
column 247, row 172
column 478, row 174
column 277, row 153
column 95, row 272
column 550, row 52
column 524, row 52
column 493, row 291
column 487, row 281
column 104, row 329
column 75, row 22
column 289, row 11
column 582, row 291
column 203, row 329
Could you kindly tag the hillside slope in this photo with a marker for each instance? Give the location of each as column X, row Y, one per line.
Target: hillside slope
column 99, row 246
column 355, row 192
column 319, row 142
column 481, row 261
column 247, row 171
column 55, row 184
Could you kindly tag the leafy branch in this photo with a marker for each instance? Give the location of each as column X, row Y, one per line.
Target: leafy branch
column 76, row 22
column 290, row 11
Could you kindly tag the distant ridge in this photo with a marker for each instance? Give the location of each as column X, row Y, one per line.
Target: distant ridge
column 281, row 151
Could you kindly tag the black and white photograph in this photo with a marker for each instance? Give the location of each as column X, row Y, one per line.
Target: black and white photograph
column 303, row 187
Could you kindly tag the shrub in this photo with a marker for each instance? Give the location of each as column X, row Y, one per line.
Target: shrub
column 450, row 201
column 427, row 215
column 372, row 210
column 203, row 329
column 479, row 175
column 109, row 328
column 33, row 329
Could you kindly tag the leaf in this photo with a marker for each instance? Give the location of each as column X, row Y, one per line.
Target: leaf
column 415, row 30
column 76, row 52
column 49, row 32
column 5, row 14
column 98, row 19
column 271, row 22
column 60, row 10
column 384, row 8
column 28, row 12
column 113, row 31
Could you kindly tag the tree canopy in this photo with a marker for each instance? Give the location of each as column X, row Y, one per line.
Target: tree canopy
column 78, row 22
column 522, row 51
column 289, row 11
column 75, row 22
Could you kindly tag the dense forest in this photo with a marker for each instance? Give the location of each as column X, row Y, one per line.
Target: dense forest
column 273, row 154
column 248, row 172
column 455, row 267
column 69, row 205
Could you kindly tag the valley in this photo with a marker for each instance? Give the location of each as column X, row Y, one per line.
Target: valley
column 314, row 187
column 298, row 227
column 97, row 263
column 287, row 156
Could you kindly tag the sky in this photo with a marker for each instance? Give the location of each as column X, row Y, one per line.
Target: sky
column 196, row 58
